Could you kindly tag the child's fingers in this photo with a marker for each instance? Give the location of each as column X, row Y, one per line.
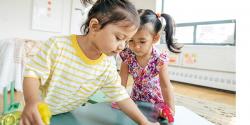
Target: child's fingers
column 115, row 105
column 172, row 112
column 24, row 121
column 37, row 118
column 157, row 123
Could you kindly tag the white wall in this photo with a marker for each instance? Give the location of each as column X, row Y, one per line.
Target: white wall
column 217, row 58
column 207, row 57
column 144, row 4
column 154, row 5
column 16, row 20
column 212, row 66
column 78, row 16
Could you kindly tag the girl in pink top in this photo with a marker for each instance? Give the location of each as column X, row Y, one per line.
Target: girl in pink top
column 147, row 65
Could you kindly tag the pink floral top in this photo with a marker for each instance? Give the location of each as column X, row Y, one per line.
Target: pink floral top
column 146, row 80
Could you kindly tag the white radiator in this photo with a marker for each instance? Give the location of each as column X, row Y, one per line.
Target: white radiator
column 214, row 79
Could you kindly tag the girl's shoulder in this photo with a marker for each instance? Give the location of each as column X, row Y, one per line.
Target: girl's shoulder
column 126, row 54
column 160, row 56
column 60, row 41
column 126, row 51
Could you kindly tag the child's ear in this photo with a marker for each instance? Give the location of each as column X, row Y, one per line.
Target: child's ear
column 156, row 38
column 94, row 25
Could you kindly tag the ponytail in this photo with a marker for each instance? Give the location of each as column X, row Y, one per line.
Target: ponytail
column 169, row 34
column 149, row 16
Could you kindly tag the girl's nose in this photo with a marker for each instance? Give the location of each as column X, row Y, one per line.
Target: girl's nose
column 137, row 46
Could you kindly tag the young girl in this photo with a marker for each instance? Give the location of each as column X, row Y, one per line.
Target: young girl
column 69, row 69
column 146, row 64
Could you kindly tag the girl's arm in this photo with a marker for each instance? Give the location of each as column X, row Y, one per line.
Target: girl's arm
column 124, row 74
column 130, row 108
column 30, row 114
column 166, row 87
column 127, row 105
column 31, row 89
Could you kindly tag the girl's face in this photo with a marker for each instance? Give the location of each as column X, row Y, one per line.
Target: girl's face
column 111, row 39
column 141, row 43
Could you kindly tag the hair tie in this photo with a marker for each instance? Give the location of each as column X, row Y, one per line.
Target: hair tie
column 158, row 15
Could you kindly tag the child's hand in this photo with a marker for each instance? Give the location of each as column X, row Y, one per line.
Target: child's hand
column 167, row 114
column 114, row 105
column 172, row 111
column 30, row 115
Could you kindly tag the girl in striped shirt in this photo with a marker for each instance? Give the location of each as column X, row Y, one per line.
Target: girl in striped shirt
column 69, row 69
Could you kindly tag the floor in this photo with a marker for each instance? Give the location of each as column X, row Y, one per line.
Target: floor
column 183, row 89
column 205, row 93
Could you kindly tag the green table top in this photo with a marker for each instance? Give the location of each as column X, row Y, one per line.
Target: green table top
column 100, row 114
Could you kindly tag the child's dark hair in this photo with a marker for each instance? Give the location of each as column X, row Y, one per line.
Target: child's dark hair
column 148, row 16
column 111, row 11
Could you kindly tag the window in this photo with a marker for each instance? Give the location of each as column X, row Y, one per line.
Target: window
column 215, row 34
column 184, row 34
column 203, row 22
column 207, row 33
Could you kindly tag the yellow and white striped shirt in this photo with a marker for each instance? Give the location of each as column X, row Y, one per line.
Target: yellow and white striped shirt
column 68, row 77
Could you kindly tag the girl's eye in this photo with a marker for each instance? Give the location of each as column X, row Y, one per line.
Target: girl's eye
column 117, row 38
column 142, row 42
